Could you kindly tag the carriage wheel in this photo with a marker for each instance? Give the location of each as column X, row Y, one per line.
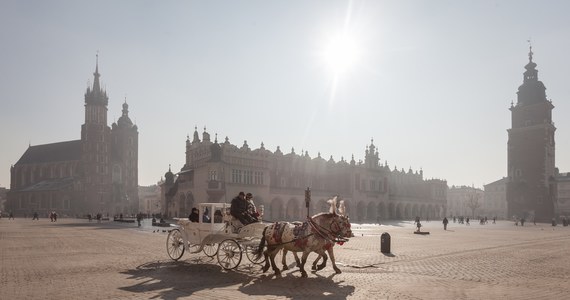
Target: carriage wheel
column 250, row 253
column 175, row 244
column 210, row 249
column 229, row 254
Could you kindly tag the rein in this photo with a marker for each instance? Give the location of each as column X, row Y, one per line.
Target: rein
column 328, row 235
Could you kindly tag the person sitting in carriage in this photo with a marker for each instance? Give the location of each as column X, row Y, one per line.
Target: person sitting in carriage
column 193, row 217
column 251, row 209
column 239, row 210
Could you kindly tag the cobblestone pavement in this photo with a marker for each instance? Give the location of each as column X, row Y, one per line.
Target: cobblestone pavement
column 75, row 259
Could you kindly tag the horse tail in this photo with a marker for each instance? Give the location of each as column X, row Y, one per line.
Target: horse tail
column 259, row 251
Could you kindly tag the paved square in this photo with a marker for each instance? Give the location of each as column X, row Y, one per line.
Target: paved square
column 75, row 259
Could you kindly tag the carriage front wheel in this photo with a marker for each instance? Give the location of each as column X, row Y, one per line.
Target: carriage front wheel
column 210, row 249
column 250, row 253
column 175, row 244
column 229, row 254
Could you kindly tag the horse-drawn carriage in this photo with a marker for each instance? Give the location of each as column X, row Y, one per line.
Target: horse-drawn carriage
column 217, row 234
column 226, row 238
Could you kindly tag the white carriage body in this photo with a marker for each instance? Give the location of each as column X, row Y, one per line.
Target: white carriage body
column 212, row 230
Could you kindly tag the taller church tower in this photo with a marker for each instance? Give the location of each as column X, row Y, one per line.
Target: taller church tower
column 95, row 148
column 531, row 187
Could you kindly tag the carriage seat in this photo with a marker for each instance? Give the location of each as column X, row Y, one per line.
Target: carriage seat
column 233, row 224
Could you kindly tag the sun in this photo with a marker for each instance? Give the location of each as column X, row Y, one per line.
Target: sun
column 341, row 53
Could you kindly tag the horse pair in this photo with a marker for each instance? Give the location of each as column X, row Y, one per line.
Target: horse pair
column 317, row 234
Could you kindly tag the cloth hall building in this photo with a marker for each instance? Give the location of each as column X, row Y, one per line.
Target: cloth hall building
column 217, row 172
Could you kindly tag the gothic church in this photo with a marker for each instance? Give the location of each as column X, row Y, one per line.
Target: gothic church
column 96, row 174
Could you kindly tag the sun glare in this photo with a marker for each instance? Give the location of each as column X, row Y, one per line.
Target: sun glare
column 341, row 53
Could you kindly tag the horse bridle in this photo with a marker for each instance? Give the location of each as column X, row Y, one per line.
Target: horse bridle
column 328, row 235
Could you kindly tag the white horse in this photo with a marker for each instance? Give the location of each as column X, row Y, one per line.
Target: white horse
column 316, row 234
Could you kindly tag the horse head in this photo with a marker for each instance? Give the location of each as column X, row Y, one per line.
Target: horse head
column 340, row 224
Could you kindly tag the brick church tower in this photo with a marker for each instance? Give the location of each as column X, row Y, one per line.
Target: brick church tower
column 531, row 188
column 124, row 161
column 95, row 148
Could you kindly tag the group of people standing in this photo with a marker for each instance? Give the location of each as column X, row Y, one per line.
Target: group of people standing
column 36, row 216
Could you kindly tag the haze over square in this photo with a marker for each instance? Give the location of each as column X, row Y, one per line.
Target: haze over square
column 432, row 83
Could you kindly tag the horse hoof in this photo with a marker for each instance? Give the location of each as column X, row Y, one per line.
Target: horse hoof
column 304, row 275
column 338, row 271
column 265, row 269
column 285, row 268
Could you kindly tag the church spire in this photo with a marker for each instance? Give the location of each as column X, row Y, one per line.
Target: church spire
column 96, row 75
column 531, row 74
column 532, row 90
column 96, row 95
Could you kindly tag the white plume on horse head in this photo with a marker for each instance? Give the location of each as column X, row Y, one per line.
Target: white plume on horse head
column 332, row 202
column 341, row 208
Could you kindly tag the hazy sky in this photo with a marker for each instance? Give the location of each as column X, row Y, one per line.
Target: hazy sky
column 430, row 81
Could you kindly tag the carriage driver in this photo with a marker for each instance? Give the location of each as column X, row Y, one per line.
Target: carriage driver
column 239, row 210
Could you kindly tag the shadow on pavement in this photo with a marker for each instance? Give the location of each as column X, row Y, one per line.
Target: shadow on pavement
column 292, row 286
column 173, row 280
column 177, row 279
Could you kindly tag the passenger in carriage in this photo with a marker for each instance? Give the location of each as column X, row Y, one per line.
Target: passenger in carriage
column 206, row 216
column 251, row 209
column 193, row 217
column 239, row 209
column 218, row 218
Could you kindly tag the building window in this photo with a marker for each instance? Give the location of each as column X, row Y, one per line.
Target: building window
column 248, row 177
column 236, row 176
column 258, row 177
column 213, row 175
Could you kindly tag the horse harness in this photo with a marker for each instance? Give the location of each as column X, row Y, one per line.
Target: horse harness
column 324, row 233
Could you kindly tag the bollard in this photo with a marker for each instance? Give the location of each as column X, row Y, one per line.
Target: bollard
column 385, row 243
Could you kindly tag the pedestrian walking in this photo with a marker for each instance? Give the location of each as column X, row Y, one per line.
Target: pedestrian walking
column 445, row 221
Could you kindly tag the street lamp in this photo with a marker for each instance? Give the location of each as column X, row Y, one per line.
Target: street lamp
column 308, row 199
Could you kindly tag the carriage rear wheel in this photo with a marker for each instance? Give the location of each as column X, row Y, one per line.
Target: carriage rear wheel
column 210, row 249
column 229, row 254
column 250, row 253
column 175, row 244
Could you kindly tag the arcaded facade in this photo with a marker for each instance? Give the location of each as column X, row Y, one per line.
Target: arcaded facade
column 373, row 192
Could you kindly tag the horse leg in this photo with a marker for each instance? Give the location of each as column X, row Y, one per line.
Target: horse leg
column 284, row 260
column 266, row 266
column 324, row 264
column 314, row 266
column 303, row 261
column 273, row 265
column 331, row 254
column 297, row 259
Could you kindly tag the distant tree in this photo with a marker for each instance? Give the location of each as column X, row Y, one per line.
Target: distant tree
column 473, row 203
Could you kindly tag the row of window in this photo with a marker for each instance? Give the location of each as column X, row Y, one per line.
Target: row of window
column 95, row 115
column 247, row 176
column 45, row 172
